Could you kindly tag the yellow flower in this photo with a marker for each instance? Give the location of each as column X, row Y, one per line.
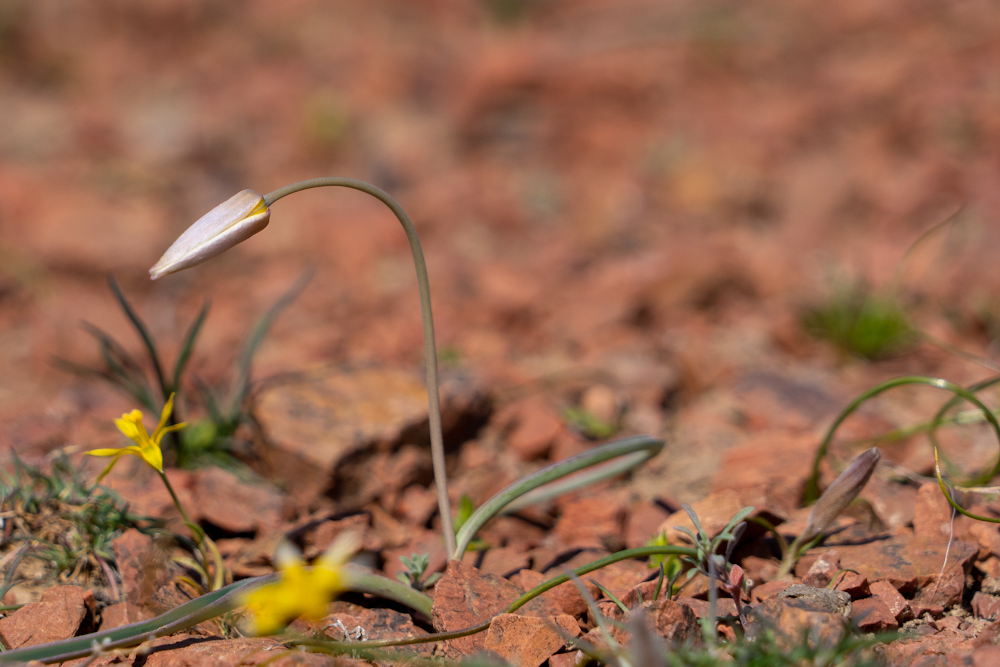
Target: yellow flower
column 146, row 447
column 301, row 591
column 231, row 222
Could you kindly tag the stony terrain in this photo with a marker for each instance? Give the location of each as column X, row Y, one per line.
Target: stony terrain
column 626, row 208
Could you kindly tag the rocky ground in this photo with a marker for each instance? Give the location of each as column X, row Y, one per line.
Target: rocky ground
column 626, row 209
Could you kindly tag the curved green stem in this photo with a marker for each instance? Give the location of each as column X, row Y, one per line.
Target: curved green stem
column 526, row 490
column 361, row 580
column 430, row 349
column 179, row 618
column 812, row 484
column 639, row 552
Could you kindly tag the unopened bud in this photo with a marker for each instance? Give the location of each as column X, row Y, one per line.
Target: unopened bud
column 231, row 222
column 840, row 494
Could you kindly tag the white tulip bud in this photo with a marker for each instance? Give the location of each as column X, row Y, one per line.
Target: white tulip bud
column 231, row 222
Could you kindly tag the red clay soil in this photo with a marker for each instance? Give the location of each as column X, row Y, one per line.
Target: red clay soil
column 625, row 207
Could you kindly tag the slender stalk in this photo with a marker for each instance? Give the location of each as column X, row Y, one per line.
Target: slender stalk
column 177, row 502
column 430, row 348
column 205, row 543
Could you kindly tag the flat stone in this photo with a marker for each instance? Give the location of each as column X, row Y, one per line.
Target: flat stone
column 932, row 518
column 465, row 596
column 593, row 521
column 892, row 598
column 855, row 585
column 985, row 605
column 534, row 426
column 376, row 624
column 318, row 539
column 789, row 621
column 61, row 613
column 768, row 590
column 873, row 615
column 823, row 569
column 816, row 599
column 181, row 651
column 642, row 523
column 233, row 505
column 774, row 481
column 123, row 613
column 907, row 562
column 146, row 571
column 334, row 413
column 566, row 597
column 528, row 641
column 671, row 619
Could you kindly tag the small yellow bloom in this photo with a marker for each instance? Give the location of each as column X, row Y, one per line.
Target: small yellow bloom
column 301, row 591
column 231, row 222
column 146, row 447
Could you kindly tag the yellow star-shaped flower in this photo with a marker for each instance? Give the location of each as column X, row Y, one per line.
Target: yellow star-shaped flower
column 301, row 591
column 146, row 447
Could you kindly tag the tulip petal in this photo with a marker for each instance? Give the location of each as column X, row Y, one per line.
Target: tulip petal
column 231, row 222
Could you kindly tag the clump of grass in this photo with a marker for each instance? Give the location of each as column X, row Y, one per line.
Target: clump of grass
column 66, row 523
column 860, row 322
column 209, row 441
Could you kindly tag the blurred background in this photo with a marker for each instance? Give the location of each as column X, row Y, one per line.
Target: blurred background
column 652, row 188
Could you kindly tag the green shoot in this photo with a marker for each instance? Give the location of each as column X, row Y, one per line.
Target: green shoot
column 860, row 323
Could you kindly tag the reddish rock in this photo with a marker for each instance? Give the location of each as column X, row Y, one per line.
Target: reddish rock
column 643, row 521
column 790, row 621
column 602, row 402
column 768, row 470
column 123, row 613
column 145, row 568
column 377, row 623
column 233, row 505
column 761, row 570
column 62, row 612
column 892, row 598
column 987, row 535
column 985, row 605
column 180, row 651
column 893, row 502
column 854, row 585
column 943, row 591
column 986, row 656
column 940, row 650
column 932, row 518
column 592, row 521
column 503, row 561
column 907, row 562
column 465, row 596
column 768, row 590
column 528, row 641
column 534, row 426
column 317, row 540
column 823, row 569
column 872, row 615
column 724, row 606
column 572, row 659
column 714, row 513
column 673, row 620
column 950, row 623
column 565, row 597
column 619, row 577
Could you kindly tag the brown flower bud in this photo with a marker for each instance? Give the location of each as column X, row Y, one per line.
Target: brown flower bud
column 840, row 494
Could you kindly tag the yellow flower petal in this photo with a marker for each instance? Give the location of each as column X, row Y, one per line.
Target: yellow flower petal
column 302, row 591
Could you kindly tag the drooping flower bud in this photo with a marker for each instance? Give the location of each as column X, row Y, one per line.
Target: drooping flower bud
column 231, row 222
column 839, row 495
